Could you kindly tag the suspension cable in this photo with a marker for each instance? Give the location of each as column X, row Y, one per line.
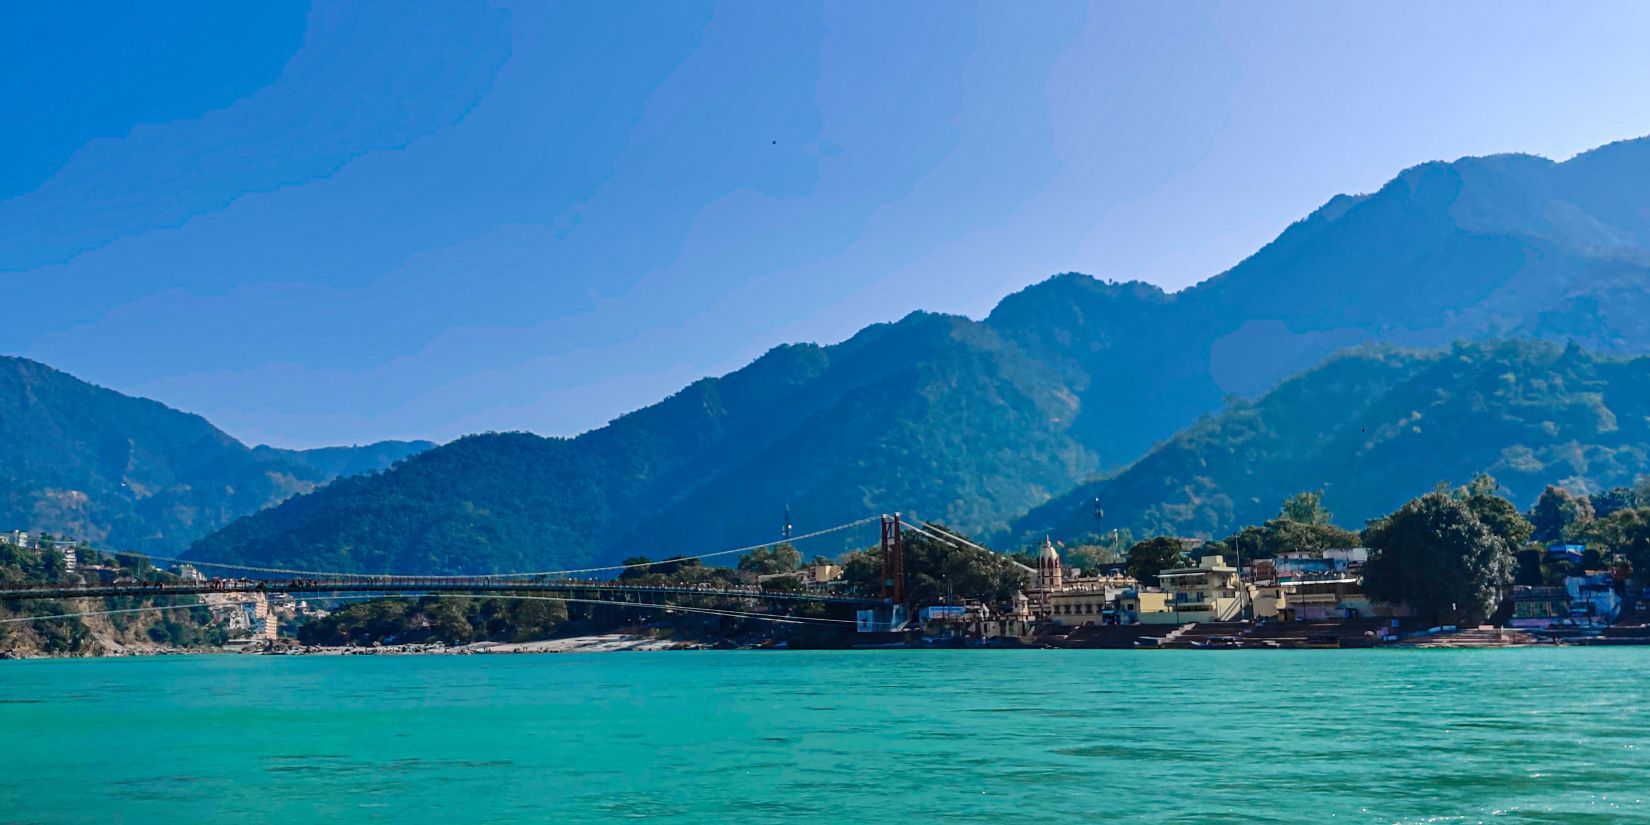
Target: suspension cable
column 342, row 575
column 667, row 607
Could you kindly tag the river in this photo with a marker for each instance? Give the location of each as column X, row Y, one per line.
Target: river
column 1517, row 735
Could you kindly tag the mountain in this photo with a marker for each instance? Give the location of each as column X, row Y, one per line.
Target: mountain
column 976, row 422
column 1376, row 426
column 132, row 473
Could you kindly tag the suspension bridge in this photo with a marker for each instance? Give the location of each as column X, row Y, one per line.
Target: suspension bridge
column 567, row 585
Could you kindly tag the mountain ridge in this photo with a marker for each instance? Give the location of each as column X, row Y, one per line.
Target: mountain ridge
column 133, row 473
column 1371, row 427
column 978, row 421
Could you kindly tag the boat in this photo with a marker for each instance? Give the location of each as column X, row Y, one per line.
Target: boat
column 1219, row 643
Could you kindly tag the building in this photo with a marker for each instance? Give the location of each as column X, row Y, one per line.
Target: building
column 1134, row 605
column 1092, row 599
column 1302, row 586
column 71, row 559
column 1063, row 596
column 1539, row 607
column 819, row 576
column 189, row 573
column 1210, row 591
column 17, row 538
column 1593, row 597
column 1571, row 553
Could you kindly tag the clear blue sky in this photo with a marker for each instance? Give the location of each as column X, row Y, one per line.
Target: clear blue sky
column 345, row 223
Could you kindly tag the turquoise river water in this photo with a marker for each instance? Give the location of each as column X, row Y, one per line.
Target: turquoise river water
column 1519, row 735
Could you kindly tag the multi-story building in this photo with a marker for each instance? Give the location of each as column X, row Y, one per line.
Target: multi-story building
column 1210, row 591
column 1134, row 605
column 1303, row 586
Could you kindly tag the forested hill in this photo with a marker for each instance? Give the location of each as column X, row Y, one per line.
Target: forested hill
column 1374, row 427
column 80, row 460
column 977, row 421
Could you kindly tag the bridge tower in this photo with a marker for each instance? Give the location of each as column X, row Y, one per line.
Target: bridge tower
column 893, row 561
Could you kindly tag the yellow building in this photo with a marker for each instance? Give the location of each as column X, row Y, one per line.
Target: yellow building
column 1082, row 600
column 1210, row 591
column 1133, row 606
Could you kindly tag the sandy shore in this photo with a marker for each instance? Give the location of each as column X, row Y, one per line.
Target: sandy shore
column 605, row 643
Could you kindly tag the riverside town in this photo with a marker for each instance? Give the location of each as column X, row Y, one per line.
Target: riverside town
column 1453, row 568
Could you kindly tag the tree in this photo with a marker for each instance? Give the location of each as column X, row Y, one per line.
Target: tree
column 1089, row 557
column 676, row 566
column 1626, row 532
column 935, row 569
column 636, row 567
column 1434, row 555
column 779, row 558
column 1558, row 512
column 1305, row 508
column 1153, row 556
column 1482, row 496
column 1615, row 500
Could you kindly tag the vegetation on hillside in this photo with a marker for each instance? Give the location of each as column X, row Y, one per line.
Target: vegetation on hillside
column 1372, row 424
column 135, row 474
column 189, row 627
column 974, row 422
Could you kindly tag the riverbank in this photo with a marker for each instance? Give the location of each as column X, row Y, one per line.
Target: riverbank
column 599, row 643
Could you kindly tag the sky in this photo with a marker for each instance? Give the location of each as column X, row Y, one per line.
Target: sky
column 340, row 223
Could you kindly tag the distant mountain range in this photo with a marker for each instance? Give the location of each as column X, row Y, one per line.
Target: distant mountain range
column 1376, row 426
column 131, row 473
column 976, row 422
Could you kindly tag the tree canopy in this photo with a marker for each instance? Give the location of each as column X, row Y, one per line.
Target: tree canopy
column 1152, row 556
column 1558, row 512
column 777, row 558
column 934, row 569
column 1436, row 556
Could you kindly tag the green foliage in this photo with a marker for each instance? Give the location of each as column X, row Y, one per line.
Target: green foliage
column 191, row 628
column 1619, row 498
column 450, row 620
column 1375, row 425
column 1302, row 525
column 1305, row 509
column 934, row 569
column 1482, row 496
column 83, row 460
column 1153, row 556
column 1434, row 555
column 1625, row 533
column 1559, row 513
column 778, row 558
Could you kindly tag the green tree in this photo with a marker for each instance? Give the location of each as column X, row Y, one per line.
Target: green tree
column 1087, row 557
column 778, row 558
column 1558, row 512
column 1482, row 495
column 636, row 567
column 1434, row 555
column 1614, row 500
column 1624, row 532
column 934, row 569
column 1152, row 556
column 1305, row 508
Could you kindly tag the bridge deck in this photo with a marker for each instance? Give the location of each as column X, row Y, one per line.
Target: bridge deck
column 396, row 584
